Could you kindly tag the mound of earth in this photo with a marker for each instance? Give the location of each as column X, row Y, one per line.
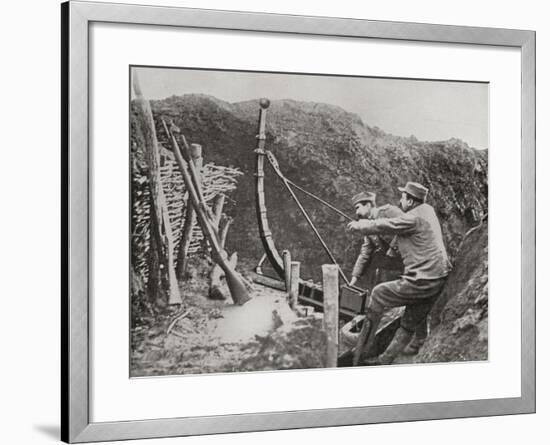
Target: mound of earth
column 459, row 320
column 334, row 154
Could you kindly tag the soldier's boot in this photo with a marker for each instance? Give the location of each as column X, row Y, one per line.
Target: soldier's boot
column 414, row 346
column 367, row 336
column 401, row 338
column 420, row 334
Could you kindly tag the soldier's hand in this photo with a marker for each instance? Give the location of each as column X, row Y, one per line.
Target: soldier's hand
column 354, row 225
column 353, row 281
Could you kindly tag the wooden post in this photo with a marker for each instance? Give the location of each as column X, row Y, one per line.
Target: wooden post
column 224, row 229
column 330, row 308
column 174, row 296
column 189, row 220
column 216, row 273
column 294, row 283
column 217, row 208
column 159, row 251
column 286, row 264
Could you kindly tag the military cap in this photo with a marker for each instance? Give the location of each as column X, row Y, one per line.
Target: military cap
column 364, row 197
column 415, row 189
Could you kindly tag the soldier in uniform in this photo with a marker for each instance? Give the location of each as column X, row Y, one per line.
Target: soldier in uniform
column 380, row 251
column 420, row 243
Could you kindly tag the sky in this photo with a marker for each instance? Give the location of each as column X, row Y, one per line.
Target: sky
column 430, row 110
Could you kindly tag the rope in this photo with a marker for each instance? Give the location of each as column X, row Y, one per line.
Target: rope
column 273, row 161
column 275, row 165
column 330, row 206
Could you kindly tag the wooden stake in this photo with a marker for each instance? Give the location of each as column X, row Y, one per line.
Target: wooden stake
column 160, row 253
column 286, row 264
column 294, row 283
column 330, row 309
column 190, row 217
column 217, row 207
column 224, row 230
column 194, row 175
column 216, row 274
column 174, row 296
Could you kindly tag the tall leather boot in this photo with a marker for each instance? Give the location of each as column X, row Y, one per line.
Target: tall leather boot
column 420, row 334
column 367, row 336
column 414, row 346
column 401, row 338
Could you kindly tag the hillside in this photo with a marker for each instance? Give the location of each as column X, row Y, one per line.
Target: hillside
column 460, row 317
column 334, row 154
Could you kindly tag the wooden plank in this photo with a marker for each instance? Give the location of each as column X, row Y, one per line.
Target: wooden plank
column 286, row 264
column 294, row 283
column 330, row 311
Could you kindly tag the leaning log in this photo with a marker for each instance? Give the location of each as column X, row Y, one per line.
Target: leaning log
column 159, row 253
column 190, row 218
column 239, row 292
column 216, row 288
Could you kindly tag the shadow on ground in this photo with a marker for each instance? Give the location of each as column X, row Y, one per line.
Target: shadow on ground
column 51, row 431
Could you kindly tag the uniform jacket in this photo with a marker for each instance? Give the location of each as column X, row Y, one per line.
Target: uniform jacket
column 376, row 243
column 419, row 239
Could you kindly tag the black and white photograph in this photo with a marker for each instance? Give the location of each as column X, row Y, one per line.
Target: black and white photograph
column 295, row 221
column 268, row 222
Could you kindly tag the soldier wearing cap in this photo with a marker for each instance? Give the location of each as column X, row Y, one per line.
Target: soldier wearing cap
column 420, row 243
column 379, row 250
